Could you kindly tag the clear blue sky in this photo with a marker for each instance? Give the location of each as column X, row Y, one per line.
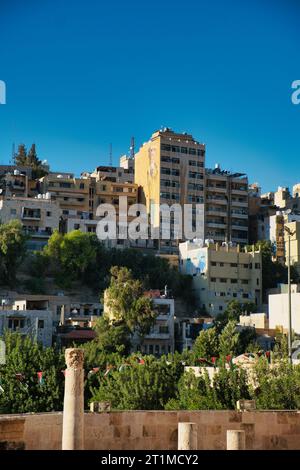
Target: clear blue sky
column 82, row 74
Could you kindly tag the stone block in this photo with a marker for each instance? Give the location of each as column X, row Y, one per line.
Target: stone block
column 246, row 405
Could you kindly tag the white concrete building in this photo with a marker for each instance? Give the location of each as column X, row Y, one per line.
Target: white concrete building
column 221, row 273
column 38, row 216
column 278, row 311
column 34, row 323
column 160, row 339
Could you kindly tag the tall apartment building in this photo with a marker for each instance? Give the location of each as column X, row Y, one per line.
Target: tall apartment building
column 226, row 206
column 169, row 169
column 222, row 273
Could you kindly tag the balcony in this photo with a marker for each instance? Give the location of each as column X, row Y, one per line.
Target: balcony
column 37, row 233
column 216, row 224
column 31, row 214
column 239, row 227
column 216, row 199
column 217, row 188
column 239, row 203
column 239, row 215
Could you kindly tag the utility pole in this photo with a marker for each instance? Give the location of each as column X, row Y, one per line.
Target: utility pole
column 290, row 233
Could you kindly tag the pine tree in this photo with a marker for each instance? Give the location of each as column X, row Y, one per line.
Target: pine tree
column 21, row 157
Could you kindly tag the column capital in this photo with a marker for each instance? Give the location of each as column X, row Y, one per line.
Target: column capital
column 74, row 358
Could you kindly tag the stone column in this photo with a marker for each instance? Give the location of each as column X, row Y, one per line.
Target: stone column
column 73, row 415
column 235, row 440
column 187, row 436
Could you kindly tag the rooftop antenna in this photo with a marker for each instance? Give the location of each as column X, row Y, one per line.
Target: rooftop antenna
column 131, row 148
column 110, row 155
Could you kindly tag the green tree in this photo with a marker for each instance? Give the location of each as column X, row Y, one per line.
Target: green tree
column 12, row 250
column 194, row 393
column 22, row 392
column 127, row 304
column 202, row 393
column 278, row 387
column 135, row 386
column 20, row 158
column 229, row 340
column 112, row 338
column 30, row 159
column 71, row 255
column 233, row 311
column 206, row 344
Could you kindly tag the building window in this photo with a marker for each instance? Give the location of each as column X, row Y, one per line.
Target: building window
column 233, row 281
column 213, row 263
column 164, row 330
column 81, row 186
column 175, row 148
column 76, row 226
column 223, row 280
column 257, row 265
column 65, row 212
column 213, row 279
column 183, row 150
column 244, row 281
column 48, row 214
column 41, row 324
column 166, row 147
column 192, row 151
column 233, row 265
column 13, row 211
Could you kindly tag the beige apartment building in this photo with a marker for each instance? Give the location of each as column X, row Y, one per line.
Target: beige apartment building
column 226, row 206
column 222, row 273
column 79, row 198
column 39, row 217
column 295, row 244
column 169, row 169
column 121, row 174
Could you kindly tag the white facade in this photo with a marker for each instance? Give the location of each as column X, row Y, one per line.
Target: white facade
column 38, row 216
column 37, row 324
column 160, row 339
column 278, row 311
column 221, row 274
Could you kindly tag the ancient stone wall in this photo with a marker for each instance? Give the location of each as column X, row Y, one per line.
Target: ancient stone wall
column 154, row 430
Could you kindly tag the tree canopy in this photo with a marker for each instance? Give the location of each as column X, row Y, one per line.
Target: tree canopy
column 127, row 303
column 30, row 158
column 12, row 250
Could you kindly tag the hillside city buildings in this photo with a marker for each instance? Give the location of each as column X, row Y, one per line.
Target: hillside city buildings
column 169, row 170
